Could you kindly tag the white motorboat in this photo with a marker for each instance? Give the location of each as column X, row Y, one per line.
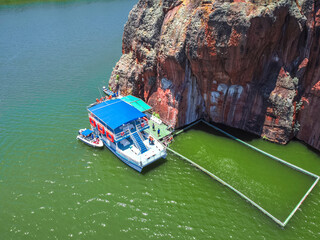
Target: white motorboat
column 87, row 136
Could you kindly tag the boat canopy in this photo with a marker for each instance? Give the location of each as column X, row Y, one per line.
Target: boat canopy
column 137, row 103
column 115, row 112
column 87, row 132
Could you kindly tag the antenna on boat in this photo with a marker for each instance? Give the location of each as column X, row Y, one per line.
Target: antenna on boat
column 100, row 92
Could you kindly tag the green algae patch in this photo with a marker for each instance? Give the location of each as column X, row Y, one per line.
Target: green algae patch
column 274, row 186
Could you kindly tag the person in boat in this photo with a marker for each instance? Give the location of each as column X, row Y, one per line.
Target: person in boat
column 151, row 141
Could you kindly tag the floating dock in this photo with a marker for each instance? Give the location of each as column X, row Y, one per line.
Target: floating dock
column 279, row 222
column 142, row 106
column 164, row 130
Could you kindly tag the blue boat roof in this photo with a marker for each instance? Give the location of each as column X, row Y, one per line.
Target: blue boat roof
column 115, row 112
column 86, row 132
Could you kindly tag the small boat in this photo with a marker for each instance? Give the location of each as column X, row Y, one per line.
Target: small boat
column 108, row 92
column 87, row 136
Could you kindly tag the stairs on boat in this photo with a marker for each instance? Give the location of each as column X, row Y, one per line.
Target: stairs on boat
column 136, row 136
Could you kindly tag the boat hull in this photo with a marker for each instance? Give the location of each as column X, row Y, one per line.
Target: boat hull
column 124, row 159
column 99, row 145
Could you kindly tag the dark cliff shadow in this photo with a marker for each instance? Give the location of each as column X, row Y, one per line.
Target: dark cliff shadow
column 312, row 149
column 238, row 133
column 241, row 134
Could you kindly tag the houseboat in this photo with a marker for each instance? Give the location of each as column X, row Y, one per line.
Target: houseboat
column 123, row 129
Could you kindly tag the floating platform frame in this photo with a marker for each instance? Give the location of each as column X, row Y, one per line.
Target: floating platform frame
column 282, row 224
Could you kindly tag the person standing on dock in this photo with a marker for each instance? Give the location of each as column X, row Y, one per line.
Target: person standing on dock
column 158, row 132
column 153, row 128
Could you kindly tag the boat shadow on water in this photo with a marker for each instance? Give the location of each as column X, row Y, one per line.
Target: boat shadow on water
column 152, row 166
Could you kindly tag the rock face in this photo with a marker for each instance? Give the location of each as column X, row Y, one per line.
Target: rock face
column 249, row 64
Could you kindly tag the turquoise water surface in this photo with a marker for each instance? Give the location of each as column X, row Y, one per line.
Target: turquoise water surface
column 53, row 59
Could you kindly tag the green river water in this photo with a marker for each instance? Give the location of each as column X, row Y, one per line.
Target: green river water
column 53, row 59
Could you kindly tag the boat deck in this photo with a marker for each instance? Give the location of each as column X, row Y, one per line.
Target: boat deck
column 153, row 153
column 163, row 130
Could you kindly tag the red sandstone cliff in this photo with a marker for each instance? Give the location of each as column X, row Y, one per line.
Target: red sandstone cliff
column 249, row 64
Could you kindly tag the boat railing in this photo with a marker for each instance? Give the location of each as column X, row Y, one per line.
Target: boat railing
column 142, row 138
column 126, row 133
column 140, row 127
column 158, row 141
column 140, row 135
column 155, row 157
column 138, row 161
column 135, row 141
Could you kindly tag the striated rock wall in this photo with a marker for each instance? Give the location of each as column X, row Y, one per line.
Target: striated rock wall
column 249, row 64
